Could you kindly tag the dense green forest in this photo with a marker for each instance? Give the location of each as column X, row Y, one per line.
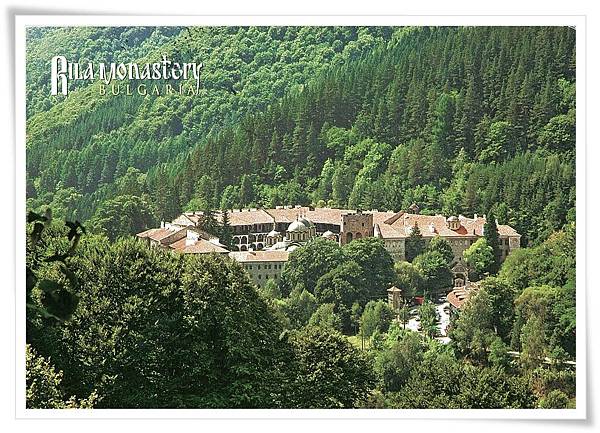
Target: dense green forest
column 107, row 44
column 455, row 119
column 458, row 120
column 80, row 147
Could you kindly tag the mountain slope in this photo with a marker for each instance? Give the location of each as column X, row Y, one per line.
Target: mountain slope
column 458, row 120
column 88, row 141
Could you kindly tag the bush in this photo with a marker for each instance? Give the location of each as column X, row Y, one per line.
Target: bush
column 554, row 400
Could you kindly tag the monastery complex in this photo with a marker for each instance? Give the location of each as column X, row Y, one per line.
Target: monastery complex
column 263, row 238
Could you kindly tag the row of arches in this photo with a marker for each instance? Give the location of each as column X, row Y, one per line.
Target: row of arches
column 256, row 246
column 250, row 238
column 351, row 236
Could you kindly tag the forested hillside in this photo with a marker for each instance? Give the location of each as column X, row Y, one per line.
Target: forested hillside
column 82, row 145
column 458, row 120
column 110, row 44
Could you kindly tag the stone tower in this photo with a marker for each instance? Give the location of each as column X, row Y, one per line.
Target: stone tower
column 355, row 226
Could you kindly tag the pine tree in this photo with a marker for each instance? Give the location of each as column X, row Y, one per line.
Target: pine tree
column 490, row 232
column 415, row 244
column 470, row 116
column 246, row 191
column 225, row 232
column 209, row 222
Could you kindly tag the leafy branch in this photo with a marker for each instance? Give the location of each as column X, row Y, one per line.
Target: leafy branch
column 58, row 300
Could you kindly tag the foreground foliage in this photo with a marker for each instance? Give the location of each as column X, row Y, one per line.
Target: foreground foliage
column 183, row 332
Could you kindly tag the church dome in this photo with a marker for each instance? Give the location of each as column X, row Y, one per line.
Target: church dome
column 306, row 222
column 273, row 234
column 297, row 226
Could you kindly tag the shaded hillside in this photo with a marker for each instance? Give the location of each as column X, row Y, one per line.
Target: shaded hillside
column 83, row 44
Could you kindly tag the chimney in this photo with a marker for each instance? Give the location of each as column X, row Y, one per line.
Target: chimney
column 475, row 216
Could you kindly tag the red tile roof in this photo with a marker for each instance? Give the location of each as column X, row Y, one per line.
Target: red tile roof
column 188, row 218
column 260, row 256
column 433, row 225
column 457, row 298
column 201, row 246
column 178, row 245
column 387, row 231
column 158, row 234
column 327, row 215
column 321, row 215
column 249, row 217
column 391, row 224
column 460, row 295
column 286, row 215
